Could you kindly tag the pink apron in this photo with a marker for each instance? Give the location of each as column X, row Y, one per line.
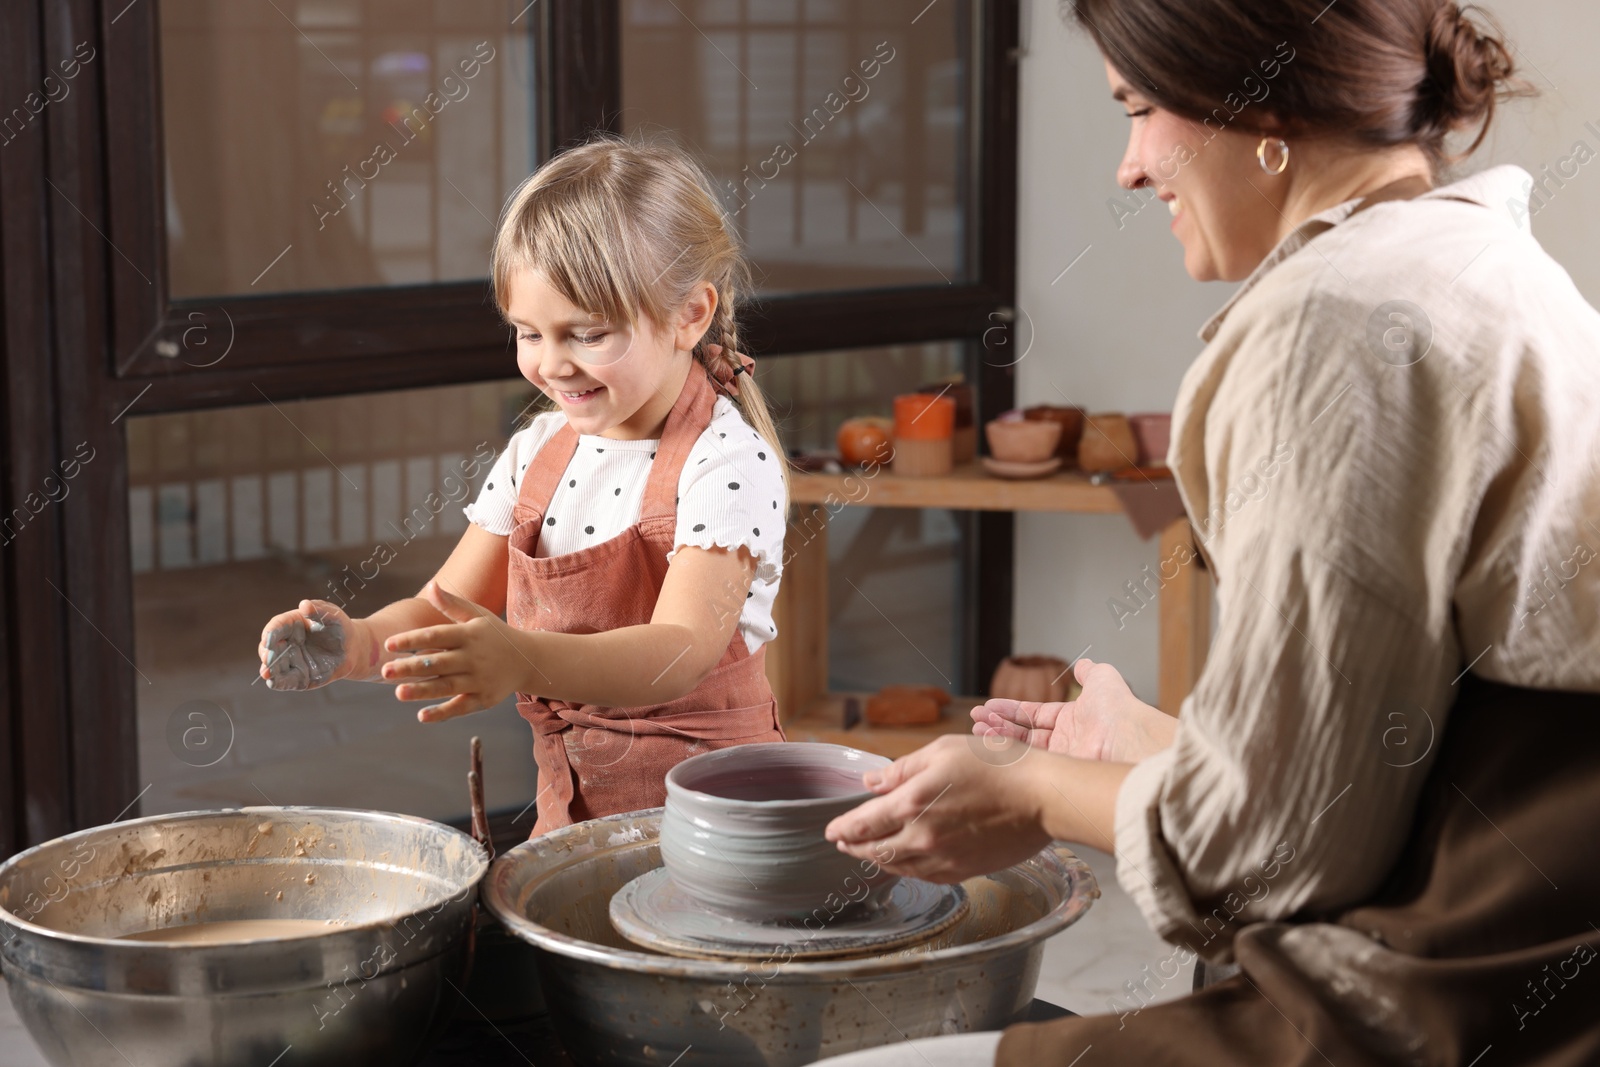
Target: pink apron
column 594, row 760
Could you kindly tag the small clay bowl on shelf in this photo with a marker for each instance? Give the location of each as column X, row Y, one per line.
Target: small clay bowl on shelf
column 742, row 832
column 1022, row 440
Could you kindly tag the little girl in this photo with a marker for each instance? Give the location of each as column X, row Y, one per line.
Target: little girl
column 634, row 536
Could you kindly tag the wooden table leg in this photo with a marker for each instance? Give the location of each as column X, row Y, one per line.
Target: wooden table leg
column 797, row 659
column 1185, row 614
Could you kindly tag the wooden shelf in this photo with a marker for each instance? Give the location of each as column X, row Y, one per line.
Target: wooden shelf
column 967, row 488
column 823, row 720
column 797, row 661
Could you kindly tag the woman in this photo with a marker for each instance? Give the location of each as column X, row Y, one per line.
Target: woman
column 1377, row 801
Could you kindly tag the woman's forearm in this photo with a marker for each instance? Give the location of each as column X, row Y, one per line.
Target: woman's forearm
column 1077, row 798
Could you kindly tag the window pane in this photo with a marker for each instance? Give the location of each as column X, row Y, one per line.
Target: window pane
column 893, row 573
column 237, row 515
column 838, row 131
column 333, row 144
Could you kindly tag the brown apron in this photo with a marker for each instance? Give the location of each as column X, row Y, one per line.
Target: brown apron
column 595, row 760
column 1480, row 950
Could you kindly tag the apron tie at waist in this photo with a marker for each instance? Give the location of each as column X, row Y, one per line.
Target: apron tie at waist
column 712, row 724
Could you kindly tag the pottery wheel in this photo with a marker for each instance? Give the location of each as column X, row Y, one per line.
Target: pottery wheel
column 654, row 913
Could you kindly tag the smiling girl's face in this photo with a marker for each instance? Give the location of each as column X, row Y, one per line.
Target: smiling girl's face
column 609, row 379
column 1223, row 204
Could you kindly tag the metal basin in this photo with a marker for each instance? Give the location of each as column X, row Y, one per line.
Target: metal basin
column 376, row 987
column 613, row 1003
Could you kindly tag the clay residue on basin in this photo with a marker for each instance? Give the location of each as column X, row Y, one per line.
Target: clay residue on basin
column 234, row 930
column 285, row 864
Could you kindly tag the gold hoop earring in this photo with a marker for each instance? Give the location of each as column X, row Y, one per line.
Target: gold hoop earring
column 1283, row 155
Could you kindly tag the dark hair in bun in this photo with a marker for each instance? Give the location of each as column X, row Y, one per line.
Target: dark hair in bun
column 1384, row 72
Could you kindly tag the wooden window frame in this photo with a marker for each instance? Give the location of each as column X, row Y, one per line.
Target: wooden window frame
column 89, row 332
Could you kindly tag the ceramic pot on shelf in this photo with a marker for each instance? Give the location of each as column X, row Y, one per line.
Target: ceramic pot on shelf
column 1108, row 444
column 924, row 432
column 1045, row 679
column 1154, row 433
column 1071, row 422
column 964, row 436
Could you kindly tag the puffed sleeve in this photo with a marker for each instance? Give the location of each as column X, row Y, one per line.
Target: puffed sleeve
column 731, row 493
column 491, row 510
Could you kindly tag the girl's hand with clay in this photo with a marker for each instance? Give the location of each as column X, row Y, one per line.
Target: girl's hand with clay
column 309, row 646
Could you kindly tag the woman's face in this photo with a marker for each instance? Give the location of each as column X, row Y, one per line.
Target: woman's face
column 609, row 379
column 1223, row 203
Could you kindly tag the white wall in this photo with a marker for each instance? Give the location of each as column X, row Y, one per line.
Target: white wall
column 1117, row 331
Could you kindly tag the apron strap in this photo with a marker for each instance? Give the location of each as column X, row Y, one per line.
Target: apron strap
column 544, row 472
column 687, row 420
column 685, row 423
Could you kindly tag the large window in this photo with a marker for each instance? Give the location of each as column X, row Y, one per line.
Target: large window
column 838, row 130
column 235, row 515
column 339, row 144
column 265, row 310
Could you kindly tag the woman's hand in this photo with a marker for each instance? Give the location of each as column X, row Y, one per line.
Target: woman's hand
column 1106, row 722
column 477, row 661
column 953, row 809
column 309, row 646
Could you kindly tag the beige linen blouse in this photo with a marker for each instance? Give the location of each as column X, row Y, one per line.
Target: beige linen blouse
column 1391, row 450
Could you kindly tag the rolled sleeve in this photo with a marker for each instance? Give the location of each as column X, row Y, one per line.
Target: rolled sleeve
column 1290, row 784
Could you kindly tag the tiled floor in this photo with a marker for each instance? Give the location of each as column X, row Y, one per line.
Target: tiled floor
column 1085, row 967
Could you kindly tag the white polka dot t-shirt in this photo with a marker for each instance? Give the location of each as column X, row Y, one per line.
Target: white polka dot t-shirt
column 730, row 494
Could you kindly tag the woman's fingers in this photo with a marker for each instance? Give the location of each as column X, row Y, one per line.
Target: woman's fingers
column 920, row 865
column 882, row 815
column 1028, row 714
column 995, row 726
column 873, row 821
column 1022, row 720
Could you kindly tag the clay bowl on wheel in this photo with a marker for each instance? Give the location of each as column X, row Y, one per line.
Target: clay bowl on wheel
column 742, row 829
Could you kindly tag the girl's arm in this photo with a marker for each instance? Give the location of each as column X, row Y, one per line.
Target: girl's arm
column 318, row 642
column 476, row 567
column 476, row 660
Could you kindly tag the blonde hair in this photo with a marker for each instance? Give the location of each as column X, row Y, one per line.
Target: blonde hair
column 627, row 228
